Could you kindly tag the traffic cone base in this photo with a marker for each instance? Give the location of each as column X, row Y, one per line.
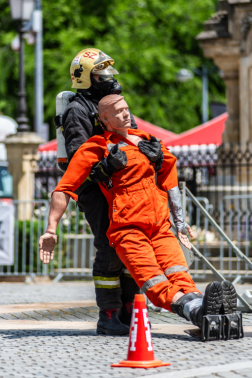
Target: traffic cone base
column 141, row 364
column 140, row 351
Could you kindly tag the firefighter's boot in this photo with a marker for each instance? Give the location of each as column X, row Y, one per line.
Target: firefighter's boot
column 110, row 324
column 125, row 313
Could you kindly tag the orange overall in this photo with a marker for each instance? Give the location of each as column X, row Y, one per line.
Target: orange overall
column 139, row 216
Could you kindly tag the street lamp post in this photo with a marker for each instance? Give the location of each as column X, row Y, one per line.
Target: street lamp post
column 21, row 10
column 204, row 75
column 38, row 29
column 185, row 75
column 22, row 147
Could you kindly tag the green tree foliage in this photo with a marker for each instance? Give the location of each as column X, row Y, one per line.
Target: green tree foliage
column 150, row 41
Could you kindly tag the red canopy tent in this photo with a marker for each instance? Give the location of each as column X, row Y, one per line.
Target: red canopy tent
column 208, row 133
column 157, row 131
column 142, row 125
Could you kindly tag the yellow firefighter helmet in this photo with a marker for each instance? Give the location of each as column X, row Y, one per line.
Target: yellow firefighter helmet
column 90, row 61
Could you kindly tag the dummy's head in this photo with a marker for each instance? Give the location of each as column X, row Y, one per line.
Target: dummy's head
column 114, row 113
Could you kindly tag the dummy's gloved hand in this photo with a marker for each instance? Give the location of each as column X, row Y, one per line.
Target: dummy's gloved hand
column 152, row 149
column 116, row 160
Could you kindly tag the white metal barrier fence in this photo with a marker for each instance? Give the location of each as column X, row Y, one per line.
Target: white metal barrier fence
column 237, row 226
column 74, row 253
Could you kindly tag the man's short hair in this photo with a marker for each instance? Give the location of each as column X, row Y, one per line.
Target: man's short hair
column 106, row 102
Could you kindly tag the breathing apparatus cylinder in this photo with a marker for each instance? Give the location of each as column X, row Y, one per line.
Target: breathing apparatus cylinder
column 62, row 100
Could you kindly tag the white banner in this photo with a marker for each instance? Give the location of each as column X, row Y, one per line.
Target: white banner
column 6, row 235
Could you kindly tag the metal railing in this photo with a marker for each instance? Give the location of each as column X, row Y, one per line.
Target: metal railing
column 215, row 172
column 222, row 234
column 212, row 244
column 239, row 212
column 74, row 253
column 189, row 207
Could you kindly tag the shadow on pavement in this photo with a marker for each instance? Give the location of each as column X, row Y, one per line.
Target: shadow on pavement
column 18, row 334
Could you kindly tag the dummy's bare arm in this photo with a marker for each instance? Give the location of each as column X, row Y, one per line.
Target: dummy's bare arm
column 48, row 241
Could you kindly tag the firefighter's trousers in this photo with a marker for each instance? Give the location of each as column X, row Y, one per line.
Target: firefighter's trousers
column 114, row 286
column 156, row 262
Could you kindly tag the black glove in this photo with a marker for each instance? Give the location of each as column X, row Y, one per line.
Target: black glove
column 116, row 160
column 101, row 171
column 152, row 149
column 97, row 174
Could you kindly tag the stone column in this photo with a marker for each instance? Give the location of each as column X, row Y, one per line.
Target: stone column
column 227, row 59
column 21, row 155
column 232, row 126
column 246, row 99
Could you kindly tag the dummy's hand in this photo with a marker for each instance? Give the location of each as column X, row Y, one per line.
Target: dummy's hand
column 116, row 160
column 184, row 239
column 152, row 149
column 47, row 244
column 101, row 171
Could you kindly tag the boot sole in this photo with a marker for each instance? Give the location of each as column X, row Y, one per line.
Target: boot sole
column 102, row 331
column 213, row 301
column 229, row 297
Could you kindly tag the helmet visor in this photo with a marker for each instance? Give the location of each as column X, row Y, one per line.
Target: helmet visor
column 104, row 69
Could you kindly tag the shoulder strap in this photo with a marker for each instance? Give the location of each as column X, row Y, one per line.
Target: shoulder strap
column 87, row 104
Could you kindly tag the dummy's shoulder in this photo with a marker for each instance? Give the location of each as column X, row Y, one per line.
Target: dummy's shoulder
column 98, row 140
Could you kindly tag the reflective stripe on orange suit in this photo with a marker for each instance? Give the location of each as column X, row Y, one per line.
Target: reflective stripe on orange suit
column 139, row 216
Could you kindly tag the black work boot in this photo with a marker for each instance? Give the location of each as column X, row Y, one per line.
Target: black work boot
column 229, row 298
column 125, row 313
column 212, row 304
column 178, row 307
column 109, row 324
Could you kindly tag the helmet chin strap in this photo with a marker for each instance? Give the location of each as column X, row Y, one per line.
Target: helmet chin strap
column 106, row 87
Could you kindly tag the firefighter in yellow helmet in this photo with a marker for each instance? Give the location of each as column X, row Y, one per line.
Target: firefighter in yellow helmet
column 92, row 73
column 92, row 67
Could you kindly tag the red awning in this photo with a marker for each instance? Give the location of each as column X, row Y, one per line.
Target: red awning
column 48, row 146
column 208, row 133
column 155, row 130
column 142, row 125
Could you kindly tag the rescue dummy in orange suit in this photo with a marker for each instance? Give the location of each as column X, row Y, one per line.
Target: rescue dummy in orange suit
column 139, row 216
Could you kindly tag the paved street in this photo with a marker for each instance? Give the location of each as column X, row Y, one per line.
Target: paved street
column 48, row 330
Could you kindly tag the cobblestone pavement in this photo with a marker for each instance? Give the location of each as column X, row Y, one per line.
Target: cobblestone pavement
column 48, row 292
column 49, row 331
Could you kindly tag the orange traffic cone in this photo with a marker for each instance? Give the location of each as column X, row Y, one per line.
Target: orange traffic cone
column 140, row 352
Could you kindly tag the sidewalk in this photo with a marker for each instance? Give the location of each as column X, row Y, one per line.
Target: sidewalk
column 49, row 331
